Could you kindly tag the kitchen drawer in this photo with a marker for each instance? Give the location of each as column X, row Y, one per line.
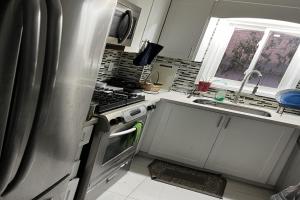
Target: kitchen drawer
column 96, row 190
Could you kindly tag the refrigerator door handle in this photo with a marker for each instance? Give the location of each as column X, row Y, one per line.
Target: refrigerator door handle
column 53, row 42
column 51, row 60
column 10, row 39
column 25, row 95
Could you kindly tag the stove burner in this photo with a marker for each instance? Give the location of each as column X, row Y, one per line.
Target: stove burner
column 108, row 99
column 128, row 86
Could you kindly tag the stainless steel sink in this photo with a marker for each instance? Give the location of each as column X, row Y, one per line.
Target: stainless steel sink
column 233, row 107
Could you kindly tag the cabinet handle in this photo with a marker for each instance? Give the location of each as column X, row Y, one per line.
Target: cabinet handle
column 219, row 122
column 227, row 123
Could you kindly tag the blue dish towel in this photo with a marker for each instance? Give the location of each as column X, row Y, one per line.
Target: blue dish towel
column 147, row 56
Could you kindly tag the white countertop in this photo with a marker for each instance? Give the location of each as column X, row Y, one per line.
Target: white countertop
column 180, row 98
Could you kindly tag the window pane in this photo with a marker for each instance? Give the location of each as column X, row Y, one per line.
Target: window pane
column 275, row 58
column 239, row 53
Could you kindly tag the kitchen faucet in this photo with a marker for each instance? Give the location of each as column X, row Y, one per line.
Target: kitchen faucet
column 245, row 80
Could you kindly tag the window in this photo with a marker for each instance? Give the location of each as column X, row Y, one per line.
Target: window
column 276, row 56
column 238, row 45
column 239, row 54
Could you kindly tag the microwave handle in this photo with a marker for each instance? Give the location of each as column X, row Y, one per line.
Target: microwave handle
column 126, row 132
column 130, row 26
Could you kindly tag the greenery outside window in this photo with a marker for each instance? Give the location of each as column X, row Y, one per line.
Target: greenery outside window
column 238, row 45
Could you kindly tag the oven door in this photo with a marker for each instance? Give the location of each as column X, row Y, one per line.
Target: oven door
column 124, row 24
column 115, row 147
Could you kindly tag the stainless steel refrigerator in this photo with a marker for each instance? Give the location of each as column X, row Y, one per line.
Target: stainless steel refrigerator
column 50, row 52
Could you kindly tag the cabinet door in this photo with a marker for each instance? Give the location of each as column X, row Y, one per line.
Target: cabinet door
column 248, row 149
column 184, row 26
column 287, row 10
column 185, row 134
column 156, row 20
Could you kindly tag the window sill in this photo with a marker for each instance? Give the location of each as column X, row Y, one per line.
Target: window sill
column 246, row 90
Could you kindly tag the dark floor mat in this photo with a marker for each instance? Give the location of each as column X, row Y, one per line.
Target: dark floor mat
column 191, row 179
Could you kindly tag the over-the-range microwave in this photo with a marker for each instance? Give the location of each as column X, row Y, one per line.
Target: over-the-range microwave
column 124, row 23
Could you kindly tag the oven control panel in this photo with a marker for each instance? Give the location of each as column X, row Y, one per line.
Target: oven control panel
column 134, row 113
column 131, row 114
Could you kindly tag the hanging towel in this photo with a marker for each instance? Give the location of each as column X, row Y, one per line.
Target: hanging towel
column 134, row 138
column 139, row 128
column 147, row 56
column 290, row 193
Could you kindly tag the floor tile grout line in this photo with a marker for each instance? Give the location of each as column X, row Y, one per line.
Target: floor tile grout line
column 137, row 186
column 117, row 194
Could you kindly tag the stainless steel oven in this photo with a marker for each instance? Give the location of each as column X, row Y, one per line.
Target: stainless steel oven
column 114, row 144
column 124, row 23
column 118, row 144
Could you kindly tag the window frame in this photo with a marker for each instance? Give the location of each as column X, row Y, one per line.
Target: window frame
column 218, row 45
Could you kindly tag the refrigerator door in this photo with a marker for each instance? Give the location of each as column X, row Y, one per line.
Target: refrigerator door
column 65, row 97
column 24, row 61
column 10, row 36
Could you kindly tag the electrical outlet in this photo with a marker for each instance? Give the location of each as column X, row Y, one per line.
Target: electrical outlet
column 111, row 66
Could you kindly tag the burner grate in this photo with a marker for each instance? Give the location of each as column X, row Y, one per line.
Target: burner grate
column 108, row 99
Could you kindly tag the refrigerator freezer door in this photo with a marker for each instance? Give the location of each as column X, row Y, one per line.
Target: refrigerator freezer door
column 25, row 91
column 10, row 37
column 53, row 143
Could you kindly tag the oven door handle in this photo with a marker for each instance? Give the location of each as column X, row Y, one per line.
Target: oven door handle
column 126, row 132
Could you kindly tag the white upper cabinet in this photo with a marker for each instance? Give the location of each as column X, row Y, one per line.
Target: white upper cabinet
column 187, row 20
column 287, row 10
column 184, row 26
column 150, row 23
column 156, row 20
column 248, row 149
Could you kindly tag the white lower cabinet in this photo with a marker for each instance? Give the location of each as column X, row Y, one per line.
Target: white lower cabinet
column 236, row 146
column 248, row 149
column 185, row 134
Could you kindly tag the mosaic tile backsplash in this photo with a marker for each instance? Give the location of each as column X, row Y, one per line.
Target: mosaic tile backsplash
column 123, row 68
column 119, row 64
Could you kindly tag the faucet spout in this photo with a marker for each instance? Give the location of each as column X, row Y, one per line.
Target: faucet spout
column 245, row 80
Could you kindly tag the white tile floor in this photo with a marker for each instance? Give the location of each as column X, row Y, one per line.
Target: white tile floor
column 137, row 185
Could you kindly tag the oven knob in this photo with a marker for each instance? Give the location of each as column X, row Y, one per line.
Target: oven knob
column 113, row 122
column 151, row 107
column 120, row 119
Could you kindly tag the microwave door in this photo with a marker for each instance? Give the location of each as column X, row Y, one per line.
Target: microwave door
column 122, row 27
column 125, row 26
column 113, row 33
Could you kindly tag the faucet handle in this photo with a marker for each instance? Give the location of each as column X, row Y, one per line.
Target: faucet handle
column 254, row 90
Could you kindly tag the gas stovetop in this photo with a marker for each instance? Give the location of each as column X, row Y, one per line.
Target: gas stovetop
column 128, row 86
column 109, row 99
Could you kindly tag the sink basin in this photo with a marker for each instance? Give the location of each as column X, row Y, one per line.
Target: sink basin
column 233, row 107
